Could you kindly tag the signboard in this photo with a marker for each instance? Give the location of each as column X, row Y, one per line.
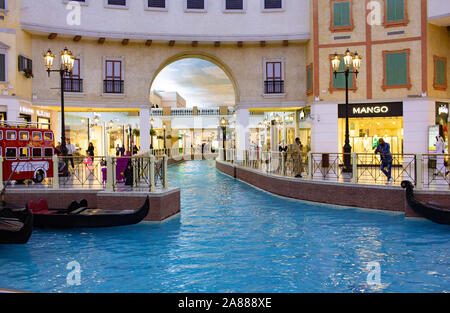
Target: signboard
column 433, row 132
column 390, row 109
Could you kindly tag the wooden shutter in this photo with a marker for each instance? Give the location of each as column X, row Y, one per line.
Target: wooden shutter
column 396, row 69
column 2, row 67
column 341, row 14
column 395, row 10
column 20, row 61
column 309, row 79
column 440, row 73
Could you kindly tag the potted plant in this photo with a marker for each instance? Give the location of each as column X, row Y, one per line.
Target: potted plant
column 28, row 73
column 136, row 132
column 152, row 132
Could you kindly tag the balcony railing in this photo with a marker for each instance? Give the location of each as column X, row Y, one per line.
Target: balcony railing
column 274, row 86
column 73, row 84
column 113, row 86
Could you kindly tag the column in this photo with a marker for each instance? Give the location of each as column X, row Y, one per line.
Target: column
column 242, row 131
column 144, row 126
column 274, row 136
column 324, row 131
column 418, row 115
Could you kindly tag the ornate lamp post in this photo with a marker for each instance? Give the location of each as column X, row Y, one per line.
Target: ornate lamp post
column 223, row 125
column 67, row 62
column 352, row 63
column 152, row 121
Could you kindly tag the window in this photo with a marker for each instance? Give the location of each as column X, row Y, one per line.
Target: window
column 37, row 153
column 272, row 5
column 37, row 136
column 274, row 77
column 11, row 135
column 309, row 79
column 24, row 135
column 395, row 13
column 72, row 80
column 156, row 5
column 3, row 5
column 113, row 77
column 121, row 4
column 3, row 69
column 233, row 6
column 195, row 5
column 11, row 153
column 440, row 73
column 337, row 83
column 341, row 16
column 396, row 69
column 25, row 64
column 24, row 153
column 48, row 136
column 48, row 152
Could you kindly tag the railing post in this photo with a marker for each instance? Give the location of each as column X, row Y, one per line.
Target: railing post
column 354, row 168
column 109, row 174
column 419, row 171
column 165, row 159
column 135, row 170
column 55, row 172
column 310, row 165
column 282, row 163
column 152, row 173
column 1, row 173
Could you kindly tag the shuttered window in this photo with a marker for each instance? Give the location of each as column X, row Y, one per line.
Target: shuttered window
column 341, row 14
column 440, row 73
column 339, row 80
column 2, row 67
column 195, row 4
column 25, row 64
column 309, row 86
column 395, row 10
column 234, row 4
column 396, row 69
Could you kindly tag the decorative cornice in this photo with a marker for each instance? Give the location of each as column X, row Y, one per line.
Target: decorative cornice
column 45, row 29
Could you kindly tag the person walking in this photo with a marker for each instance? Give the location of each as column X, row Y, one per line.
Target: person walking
column 70, row 151
column 117, row 150
column 440, row 158
column 91, row 150
column 297, row 158
column 384, row 149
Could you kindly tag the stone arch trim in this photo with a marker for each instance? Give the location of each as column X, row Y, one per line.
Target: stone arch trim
column 204, row 56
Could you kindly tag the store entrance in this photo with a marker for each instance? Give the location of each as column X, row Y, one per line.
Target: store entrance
column 365, row 132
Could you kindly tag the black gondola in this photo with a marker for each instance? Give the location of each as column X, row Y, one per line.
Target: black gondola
column 433, row 212
column 83, row 217
column 16, row 225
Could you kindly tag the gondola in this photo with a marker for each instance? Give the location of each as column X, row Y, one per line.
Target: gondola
column 433, row 212
column 80, row 216
column 16, row 225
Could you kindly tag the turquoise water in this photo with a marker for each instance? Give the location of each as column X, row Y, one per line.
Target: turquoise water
column 232, row 237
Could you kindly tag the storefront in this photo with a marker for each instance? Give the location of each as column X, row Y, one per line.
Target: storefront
column 370, row 122
column 442, row 113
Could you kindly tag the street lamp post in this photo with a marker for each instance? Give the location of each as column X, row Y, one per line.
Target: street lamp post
column 67, row 62
column 223, row 126
column 164, row 129
column 352, row 63
column 151, row 133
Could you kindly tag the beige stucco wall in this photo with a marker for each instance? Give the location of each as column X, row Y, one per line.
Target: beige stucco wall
column 19, row 43
column 439, row 45
column 141, row 63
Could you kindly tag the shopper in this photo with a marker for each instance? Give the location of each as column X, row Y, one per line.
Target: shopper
column 297, row 158
column 70, row 151
column 440, row 157
column 384, row 149
column 91, row 150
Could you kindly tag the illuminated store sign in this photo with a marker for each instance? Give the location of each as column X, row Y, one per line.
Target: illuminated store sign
column 372, row 110
column 43, row 113
column 26, row 110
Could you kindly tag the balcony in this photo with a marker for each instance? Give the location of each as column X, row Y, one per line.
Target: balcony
column 113, row 86
column 272, row 87
column 73, row 85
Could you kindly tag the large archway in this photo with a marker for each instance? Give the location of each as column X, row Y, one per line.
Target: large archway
column 203, row 56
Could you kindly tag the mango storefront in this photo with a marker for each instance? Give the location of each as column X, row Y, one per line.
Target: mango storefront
column 371, row 121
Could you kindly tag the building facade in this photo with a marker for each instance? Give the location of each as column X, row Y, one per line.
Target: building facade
column 276, row 54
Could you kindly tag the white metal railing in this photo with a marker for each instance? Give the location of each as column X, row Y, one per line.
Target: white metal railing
column 425, row 171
